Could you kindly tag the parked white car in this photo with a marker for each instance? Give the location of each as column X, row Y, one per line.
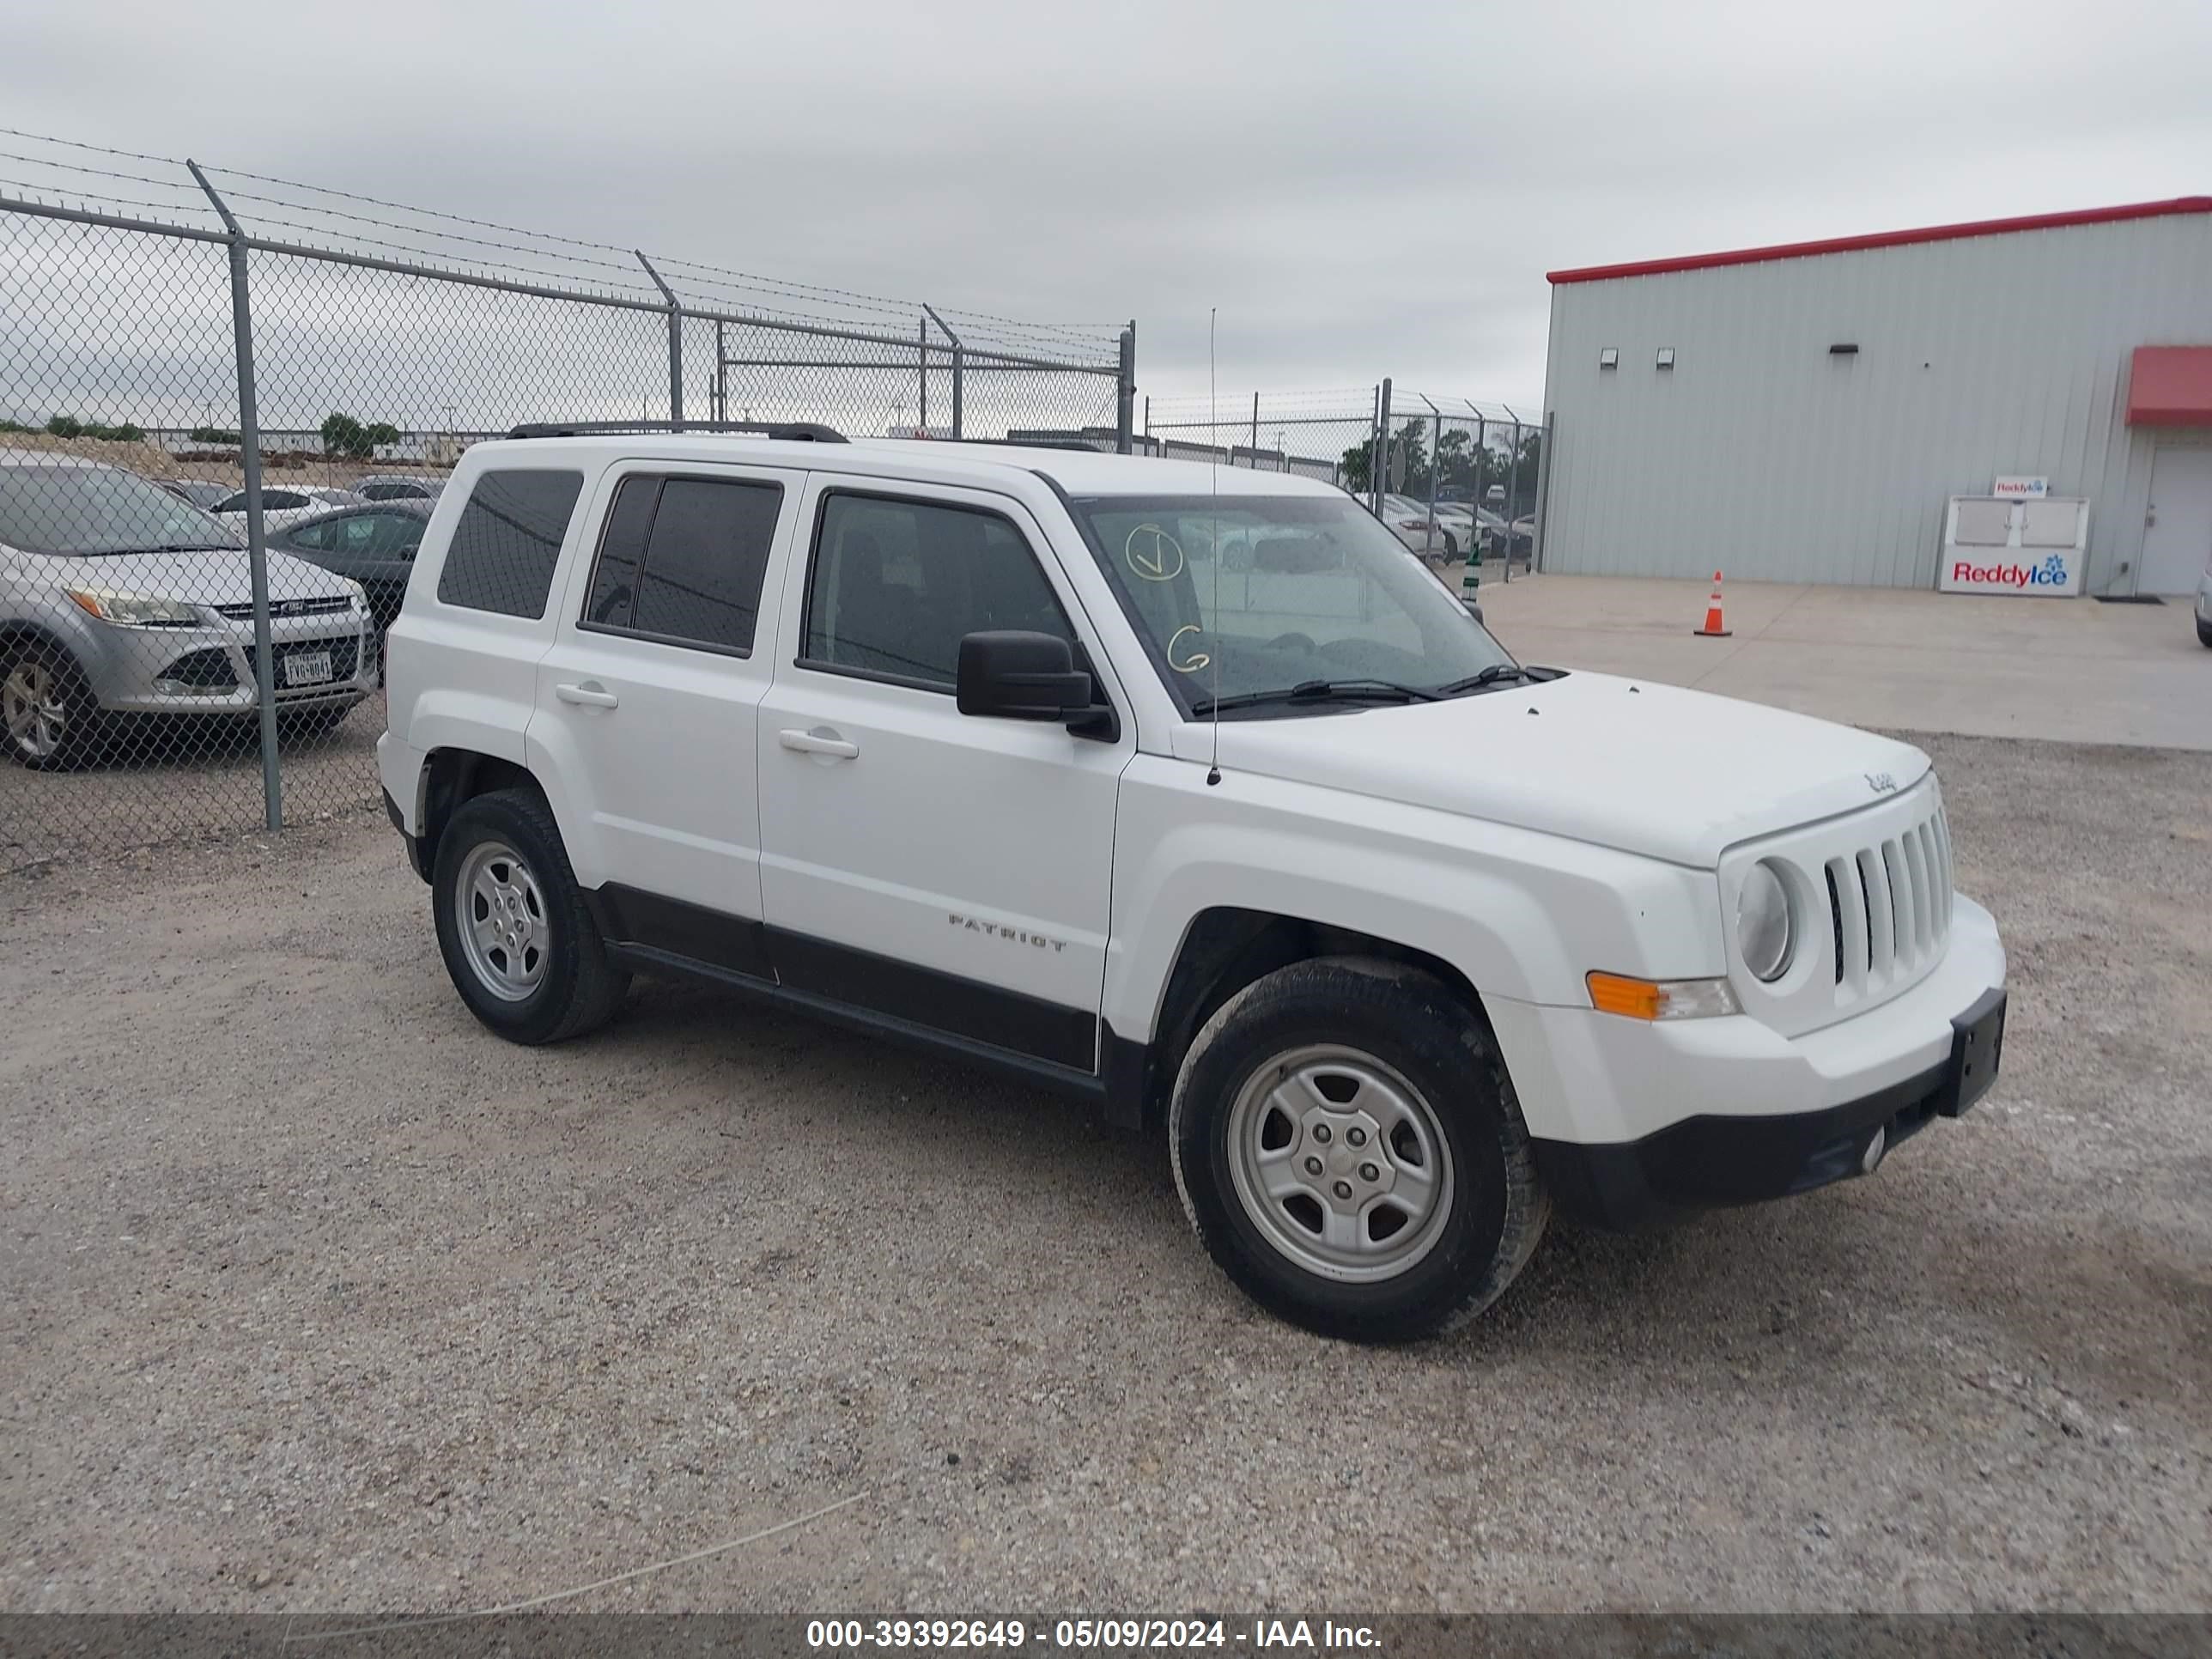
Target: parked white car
column 2204, row 607
column 284, row 504
column 1430, row 535
column 1400, row 943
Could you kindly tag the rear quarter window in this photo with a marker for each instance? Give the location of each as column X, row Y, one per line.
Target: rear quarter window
column 509, row 540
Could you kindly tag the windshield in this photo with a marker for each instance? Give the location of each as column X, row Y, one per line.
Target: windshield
column 85, row 510
column 1242, row 596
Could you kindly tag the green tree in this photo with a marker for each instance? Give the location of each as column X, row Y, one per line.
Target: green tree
column 66, row 426
column 380, row 431
column 344, row 435
column 1358, row 466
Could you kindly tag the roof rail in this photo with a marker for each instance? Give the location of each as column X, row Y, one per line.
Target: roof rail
column 801, row 431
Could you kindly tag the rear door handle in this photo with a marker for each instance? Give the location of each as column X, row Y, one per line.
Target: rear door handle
column 818, row 742
column 591, row 694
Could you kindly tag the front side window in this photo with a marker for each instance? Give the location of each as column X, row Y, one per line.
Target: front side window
column 508, row 541
column 395, row 535
column 1247, row 600
column 896, row 584
column 683, row 559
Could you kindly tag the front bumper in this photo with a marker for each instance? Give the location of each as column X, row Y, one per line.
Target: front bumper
column 211, row 669
column 1705, row 1163
column 1633, row 1122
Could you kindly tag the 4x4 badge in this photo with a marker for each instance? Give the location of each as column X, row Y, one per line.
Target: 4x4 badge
column 1879, row 781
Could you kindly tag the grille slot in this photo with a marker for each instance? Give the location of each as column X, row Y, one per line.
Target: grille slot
column 1835, row 918
column 288, row 608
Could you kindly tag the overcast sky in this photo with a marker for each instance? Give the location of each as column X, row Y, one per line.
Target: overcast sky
column 1361, row 189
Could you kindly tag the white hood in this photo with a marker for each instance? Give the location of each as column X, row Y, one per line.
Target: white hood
column 1647, row 769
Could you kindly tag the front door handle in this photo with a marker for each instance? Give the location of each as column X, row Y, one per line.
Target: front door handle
column 822, row 742
column 591, row 694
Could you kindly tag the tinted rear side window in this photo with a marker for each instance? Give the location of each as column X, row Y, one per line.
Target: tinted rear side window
column 509, row 540
column 683, row 559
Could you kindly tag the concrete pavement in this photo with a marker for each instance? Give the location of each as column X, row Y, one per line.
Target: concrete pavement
column 2073, row 671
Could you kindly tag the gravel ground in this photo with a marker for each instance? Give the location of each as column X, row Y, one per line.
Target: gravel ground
column 318, row 1299
column 159, row 785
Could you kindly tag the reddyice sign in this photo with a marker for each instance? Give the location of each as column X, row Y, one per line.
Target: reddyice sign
column 1965, row 576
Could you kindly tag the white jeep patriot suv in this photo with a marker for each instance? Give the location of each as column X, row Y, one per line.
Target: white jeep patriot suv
column 1402, row 943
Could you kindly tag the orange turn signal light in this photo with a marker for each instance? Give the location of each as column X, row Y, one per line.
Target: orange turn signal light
column 1617, row 994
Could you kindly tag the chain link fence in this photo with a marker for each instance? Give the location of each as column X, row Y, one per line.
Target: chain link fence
column 228, row 403
column 1456, row 475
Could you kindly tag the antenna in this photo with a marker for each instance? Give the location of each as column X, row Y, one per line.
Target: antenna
column 1213, row 535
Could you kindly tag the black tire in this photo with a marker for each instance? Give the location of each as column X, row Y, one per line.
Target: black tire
column 2204, row 634
column 35, row 667
column 1483, row 1233
column 578, row 988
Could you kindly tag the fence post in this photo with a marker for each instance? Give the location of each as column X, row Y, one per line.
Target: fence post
column 1125, row 391
column 256, row 547
column 1381, row 467
column 721, row 375
column 922, row 363
column 959, row 371
column 675, row 342
column 1513, row 498
column 1543, row 491
column 1435, row 468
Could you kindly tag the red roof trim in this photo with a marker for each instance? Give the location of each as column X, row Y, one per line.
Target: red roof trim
column 1889, row 238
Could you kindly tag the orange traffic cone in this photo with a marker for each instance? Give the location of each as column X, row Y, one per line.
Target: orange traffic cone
column 1714, row 628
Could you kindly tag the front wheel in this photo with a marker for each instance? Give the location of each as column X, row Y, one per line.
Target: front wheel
column 519, row 946
column 1349, row 1150
column 2204, row 634
column 47, row 709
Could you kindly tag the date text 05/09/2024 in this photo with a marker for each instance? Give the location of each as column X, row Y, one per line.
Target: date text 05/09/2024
column 1090, row 1635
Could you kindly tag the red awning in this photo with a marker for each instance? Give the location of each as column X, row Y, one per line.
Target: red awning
column 2171, row 386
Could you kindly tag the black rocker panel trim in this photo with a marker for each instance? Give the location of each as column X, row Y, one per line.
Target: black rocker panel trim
column 677, row 935
column 941, row 1001
column 629, row 915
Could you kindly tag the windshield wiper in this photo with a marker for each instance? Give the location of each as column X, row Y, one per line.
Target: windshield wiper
column 1490, row 675
column 1360, row 691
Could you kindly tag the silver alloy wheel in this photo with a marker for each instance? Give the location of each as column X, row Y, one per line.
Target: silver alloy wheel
column 1340, row 1162
column 31, row 704
column 502, row 921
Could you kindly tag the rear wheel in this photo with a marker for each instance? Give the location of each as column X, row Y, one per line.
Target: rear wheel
column 520, row 946
column 47, row 709
column 1348, row 1147
column 2204, row 633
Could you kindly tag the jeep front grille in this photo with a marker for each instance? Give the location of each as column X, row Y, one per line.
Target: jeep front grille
column 1889, row 905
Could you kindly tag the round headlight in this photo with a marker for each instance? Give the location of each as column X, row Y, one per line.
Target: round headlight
column 1762, row 923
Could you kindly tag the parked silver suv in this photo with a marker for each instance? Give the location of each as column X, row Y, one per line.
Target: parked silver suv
column 116, row 598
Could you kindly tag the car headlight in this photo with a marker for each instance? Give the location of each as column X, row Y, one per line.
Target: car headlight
column 132, row 610
column 359, row 593
column 1764, row 932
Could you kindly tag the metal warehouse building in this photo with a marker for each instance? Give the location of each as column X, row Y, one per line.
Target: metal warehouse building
column 1806, row 413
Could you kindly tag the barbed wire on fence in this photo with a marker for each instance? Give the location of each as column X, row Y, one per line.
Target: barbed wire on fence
column 153, row 688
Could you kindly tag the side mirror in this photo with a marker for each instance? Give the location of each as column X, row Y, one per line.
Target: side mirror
column 1020, row 677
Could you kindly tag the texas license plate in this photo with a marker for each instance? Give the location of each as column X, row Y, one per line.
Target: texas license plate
column 307, row 668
